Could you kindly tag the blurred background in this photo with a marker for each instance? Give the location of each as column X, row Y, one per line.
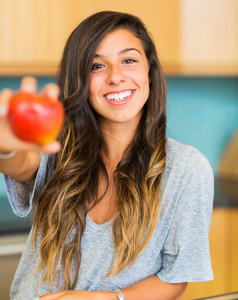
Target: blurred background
column 197, row 43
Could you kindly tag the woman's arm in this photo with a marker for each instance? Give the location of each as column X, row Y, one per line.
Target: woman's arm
column 22, row 166
column 151, row 288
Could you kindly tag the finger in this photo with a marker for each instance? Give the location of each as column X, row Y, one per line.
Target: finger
column 52, row 90
column 28, row 84
column 52, row 147
column 5, row 96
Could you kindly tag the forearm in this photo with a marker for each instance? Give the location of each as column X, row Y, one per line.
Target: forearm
column 22, row 166
column 154, row 289
column 151, row 288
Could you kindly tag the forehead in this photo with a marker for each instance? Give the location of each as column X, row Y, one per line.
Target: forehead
column 119, row 39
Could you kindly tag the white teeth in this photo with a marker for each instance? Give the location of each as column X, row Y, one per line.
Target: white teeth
column 119, row 97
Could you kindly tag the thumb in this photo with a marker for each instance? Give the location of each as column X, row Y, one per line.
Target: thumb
column 4, row 99
column 52, row 147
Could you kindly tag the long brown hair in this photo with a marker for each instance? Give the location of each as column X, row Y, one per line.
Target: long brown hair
column 64, row 202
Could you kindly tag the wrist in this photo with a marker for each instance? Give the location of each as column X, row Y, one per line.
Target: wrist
column 120, row 295
column 7, row 155
column 103, row 295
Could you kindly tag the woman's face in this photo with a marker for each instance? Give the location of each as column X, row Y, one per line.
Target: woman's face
column 119, row 81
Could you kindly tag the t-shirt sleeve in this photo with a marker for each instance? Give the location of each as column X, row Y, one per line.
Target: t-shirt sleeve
column 21, row 195
column 186, row 253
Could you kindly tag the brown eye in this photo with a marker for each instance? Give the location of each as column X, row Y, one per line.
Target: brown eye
column 97, row 66
column 129, row 61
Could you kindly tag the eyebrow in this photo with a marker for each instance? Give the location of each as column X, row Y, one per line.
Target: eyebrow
column 121, row 52
column 129, row 49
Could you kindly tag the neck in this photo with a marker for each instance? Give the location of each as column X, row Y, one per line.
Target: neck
column 117, row 137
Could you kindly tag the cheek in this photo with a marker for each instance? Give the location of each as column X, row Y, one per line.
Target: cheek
column 144, row 83
column 95, row 86
column 141, row 76
column 146, row 87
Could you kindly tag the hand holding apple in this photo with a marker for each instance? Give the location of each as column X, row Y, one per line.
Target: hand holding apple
column 9, row 141
column 35, row 118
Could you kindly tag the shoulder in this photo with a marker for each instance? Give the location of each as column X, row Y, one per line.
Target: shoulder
column 187, row 171
column 188, row 183
column 181, row 159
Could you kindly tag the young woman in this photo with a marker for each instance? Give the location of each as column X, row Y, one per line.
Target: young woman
column 121, row 211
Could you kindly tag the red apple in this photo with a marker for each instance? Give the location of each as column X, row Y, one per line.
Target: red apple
column 35, row 118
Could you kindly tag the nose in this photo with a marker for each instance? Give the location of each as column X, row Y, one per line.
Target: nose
column 115, row 75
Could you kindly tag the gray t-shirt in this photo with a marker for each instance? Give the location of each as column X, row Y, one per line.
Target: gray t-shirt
column 177, row 252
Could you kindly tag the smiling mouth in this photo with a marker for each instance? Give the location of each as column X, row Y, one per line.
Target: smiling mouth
column 119, row 96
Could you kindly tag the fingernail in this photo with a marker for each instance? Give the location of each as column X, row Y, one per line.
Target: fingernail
column 29, row 88
column 3, row 110
column 28, row 84
column 52, row 92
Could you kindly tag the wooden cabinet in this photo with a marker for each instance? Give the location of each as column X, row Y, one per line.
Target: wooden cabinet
column 224, row 255
column 234, row 251
column 196, row 37
column 33, row 33
column 209, row 37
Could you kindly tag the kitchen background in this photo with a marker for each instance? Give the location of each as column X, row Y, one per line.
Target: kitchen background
column 197, row 42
